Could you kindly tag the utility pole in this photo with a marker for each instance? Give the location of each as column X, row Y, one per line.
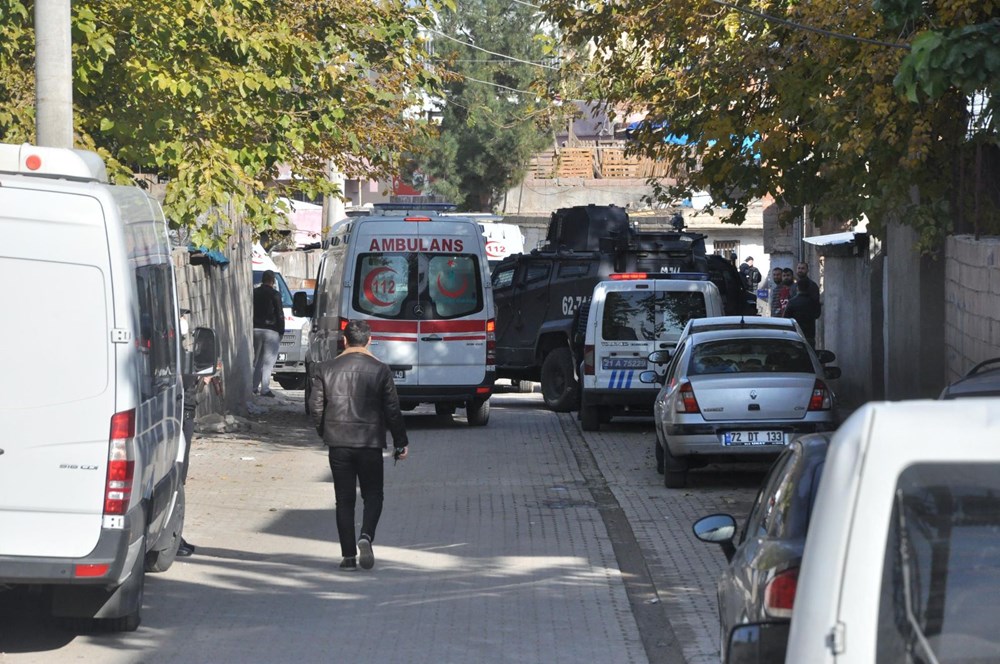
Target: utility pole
column 53, row 74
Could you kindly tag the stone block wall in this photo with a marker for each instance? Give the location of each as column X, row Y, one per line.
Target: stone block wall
column 972, row 303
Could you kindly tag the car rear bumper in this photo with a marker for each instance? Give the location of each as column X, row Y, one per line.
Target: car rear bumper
column 410, row 395
column 706, row 438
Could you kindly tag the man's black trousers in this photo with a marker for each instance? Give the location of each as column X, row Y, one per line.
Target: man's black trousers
column 352, row 466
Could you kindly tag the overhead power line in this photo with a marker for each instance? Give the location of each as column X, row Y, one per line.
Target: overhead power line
column 809, row 28
column 499, row 55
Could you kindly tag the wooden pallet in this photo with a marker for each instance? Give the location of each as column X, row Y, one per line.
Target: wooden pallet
column 576, row 163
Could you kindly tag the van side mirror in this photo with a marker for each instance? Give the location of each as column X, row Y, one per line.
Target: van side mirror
column 205, row 352
column 301, row 306
column 825, row 356
column 833, row 373
column 660, row 356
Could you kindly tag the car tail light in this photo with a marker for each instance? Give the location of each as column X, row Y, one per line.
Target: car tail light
column 491, row 342
column 686, row 402
column 821, row 398
column 588, row 360
column 779, row 594
column 121, row 463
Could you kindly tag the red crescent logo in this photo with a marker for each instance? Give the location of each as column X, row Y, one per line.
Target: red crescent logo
column 370, row 281
column 454, row 293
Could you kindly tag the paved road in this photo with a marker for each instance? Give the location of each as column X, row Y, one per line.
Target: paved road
column 524, row 541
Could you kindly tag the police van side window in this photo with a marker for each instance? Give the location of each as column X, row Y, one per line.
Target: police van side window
column 157, row 334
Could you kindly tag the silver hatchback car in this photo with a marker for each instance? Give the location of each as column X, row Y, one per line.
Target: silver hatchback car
column 738, row 394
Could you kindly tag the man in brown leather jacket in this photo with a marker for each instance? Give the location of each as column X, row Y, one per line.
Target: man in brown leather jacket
column 353, row 401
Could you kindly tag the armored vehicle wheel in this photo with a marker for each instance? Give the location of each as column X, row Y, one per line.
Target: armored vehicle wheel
column 559, row 387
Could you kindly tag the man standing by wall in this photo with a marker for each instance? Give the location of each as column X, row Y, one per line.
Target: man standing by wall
column 751, row 275
column 268, row 326
column 353, row 401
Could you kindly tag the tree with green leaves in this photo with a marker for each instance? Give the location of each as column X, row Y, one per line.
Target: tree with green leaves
column 216, row 95
column 497, row 108
column 794, row 100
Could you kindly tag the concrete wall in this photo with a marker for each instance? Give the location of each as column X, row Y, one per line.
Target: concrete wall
column 847, row 325
column 972, row 303
column 219, row 297
column 297, row 266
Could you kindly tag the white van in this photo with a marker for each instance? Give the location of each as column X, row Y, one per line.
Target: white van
column 630, row 316
column 422, row 283
column 290, row 367
column 91, row 448
column 902, row 558
column 502, row 240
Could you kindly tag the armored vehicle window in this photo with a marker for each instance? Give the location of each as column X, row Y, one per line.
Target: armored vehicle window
column 536, row 272
column 574, row 270
column 503, row 279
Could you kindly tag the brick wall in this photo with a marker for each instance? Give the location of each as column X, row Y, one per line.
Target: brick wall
column 972, row 303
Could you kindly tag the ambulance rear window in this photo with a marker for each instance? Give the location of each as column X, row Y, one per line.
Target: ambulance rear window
column 453, row 285
column 418, row 286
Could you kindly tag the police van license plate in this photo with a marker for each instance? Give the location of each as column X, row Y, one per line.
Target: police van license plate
column 739, row 438
column 623, row 363
column 398, row 374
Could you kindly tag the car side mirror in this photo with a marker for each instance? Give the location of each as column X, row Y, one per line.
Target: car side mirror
column 205, row 352
column 660, row 356
column 833, row 373
column 717, row 529
column 825, row 356
column 652, row 377
column 301, row 306
column 758, row 643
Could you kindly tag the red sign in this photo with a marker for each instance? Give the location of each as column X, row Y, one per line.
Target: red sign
column 443, row 244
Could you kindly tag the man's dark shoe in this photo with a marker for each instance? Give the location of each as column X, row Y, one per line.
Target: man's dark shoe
column 349, row 563
column 185, row 549
column 367, row 558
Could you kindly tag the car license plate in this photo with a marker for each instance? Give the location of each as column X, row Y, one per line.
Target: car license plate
column 739, row 438
column 623, row 363
column 281, row 357
column 398, row 374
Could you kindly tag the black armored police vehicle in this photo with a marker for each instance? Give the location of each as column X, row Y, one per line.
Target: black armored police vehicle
column 539, row 295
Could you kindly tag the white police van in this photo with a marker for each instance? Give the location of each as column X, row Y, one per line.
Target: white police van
column 630, row 316
column 422, row 282
column 91, row 413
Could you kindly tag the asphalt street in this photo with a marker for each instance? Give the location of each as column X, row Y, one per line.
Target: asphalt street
column 526, row 540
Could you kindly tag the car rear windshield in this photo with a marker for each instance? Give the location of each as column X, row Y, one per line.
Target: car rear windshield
column 940, row 594
column 416, row 286
column 648, row 316
column 750, row 356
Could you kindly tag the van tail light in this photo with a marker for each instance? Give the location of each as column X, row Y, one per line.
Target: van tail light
column 341, row 340
column 491, row 342
column 779, row 593
column 686, row 401
column 821, row 398
column 588, row 360
column 121, row 463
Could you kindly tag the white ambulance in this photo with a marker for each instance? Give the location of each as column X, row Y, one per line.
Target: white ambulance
column 422, row 282
column 630, row 316
column 91, row 443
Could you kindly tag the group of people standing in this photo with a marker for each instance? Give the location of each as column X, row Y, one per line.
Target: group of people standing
column 795, row 295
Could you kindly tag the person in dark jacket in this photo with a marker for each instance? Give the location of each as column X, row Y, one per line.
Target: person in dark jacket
column 804, row 307
column 268, row 326
column 352, row 403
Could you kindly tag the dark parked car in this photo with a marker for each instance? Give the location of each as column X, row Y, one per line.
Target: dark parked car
column 983, row 380
column 758, row 585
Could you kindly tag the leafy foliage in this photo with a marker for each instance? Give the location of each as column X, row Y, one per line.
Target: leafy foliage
column 772, row 107
column 217, row 95
column 496, row 111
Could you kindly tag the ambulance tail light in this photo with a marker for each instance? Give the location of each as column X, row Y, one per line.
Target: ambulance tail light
column 341, row 340
column 121, row 464
column 588, row 360
column 491, row 342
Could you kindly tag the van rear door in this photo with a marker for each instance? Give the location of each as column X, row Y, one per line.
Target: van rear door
column 58, row 397
column 452, row 346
